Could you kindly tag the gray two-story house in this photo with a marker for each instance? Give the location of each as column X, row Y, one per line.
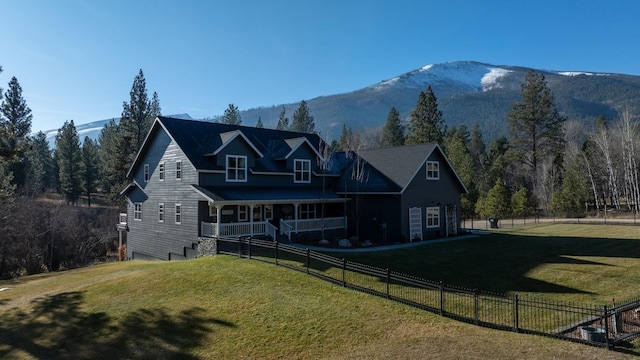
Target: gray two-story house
column 197, row 179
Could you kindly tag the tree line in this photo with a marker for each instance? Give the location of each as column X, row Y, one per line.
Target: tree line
column 38, row 233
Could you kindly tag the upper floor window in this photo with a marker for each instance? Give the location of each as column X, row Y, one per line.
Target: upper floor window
column 137, row 211
column 433, row 170
column 161, row 171
column 236, row 168
column 146, row 172
column 179, row 170
column 302, row 171
column 161, row 212
column 178, row 214
column 433, row 217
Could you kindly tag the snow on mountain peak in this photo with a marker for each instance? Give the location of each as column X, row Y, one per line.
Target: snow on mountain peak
column 473, row 75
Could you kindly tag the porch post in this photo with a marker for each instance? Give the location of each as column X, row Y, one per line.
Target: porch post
column 251, row 206
column 295, row 216
column 218, row 220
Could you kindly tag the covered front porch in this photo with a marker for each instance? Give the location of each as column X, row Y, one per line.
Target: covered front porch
column 272, row 214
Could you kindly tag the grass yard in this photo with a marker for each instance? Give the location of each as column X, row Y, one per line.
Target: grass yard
column 230, row 308
column 591, row 264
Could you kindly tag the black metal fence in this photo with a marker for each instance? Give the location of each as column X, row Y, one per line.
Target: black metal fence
column 604, row 326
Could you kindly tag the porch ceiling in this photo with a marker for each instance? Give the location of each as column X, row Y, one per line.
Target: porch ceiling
column 241, row 196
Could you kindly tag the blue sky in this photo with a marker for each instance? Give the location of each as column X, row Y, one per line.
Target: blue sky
column 76, row 59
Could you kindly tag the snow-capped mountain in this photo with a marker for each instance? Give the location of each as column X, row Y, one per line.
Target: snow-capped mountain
column 93, row 129
column 467, row 92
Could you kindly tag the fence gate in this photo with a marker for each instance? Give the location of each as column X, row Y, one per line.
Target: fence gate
column 415, row 223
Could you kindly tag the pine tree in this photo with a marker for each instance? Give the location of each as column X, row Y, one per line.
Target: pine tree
column 302, row 120
column 113, row 162
column 15, row 125
column 231, row 116
column 283, row 121
column 70, row 164
column 520, row 203
column 137, row 116
column 536, row 129
column 90, row 159
column 393, row 130
column 497, row 202
column 39, row 165
column 461, row 160
column 426, row 124
column 259, row 124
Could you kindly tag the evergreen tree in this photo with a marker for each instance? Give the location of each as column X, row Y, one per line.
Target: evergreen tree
column 137, row 116
column 113, row 162
column 572, row 196
column 259, row 124
column 426, row 124
column 70, row 164
column 90, row 159
column 393, row 130
column 302, row 120
column 536, row 129
column 15, row 125
column 231, row 116
column 283, row 121
column 461, row 160
column 39, row 165
column 520, row 203
column 496, row 203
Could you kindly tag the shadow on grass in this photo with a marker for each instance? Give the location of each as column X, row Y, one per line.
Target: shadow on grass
column 57, row 327
column 501, row 262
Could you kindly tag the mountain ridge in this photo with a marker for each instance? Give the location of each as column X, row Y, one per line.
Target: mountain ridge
column 467, row 92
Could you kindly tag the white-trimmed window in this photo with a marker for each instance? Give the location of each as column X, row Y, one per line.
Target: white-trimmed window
column 243, row 213
column 161, row 171
column 301, row 171
column 137, row 211
column 236, row 168
column 307, row 211
column 433, row 170
column 161, row 212
column 268, row 212
column 178, row 169
column 433, row 217
column 178, row 214
column 146, row 172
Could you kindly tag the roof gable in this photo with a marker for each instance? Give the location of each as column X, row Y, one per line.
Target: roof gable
column 229, row 136
column 296, row 143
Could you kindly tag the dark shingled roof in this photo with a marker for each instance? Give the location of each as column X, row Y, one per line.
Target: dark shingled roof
column 197, row 138
column 388, row 169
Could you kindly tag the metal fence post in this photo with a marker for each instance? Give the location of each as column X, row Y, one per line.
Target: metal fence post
column 249, row 248
column 344, row 269
column 239, row 247
column 388, row 281
column 442, row 298
column 606, row 326
column 277, row 253
column 476, row 309
column 307, row 260
column 515, row 313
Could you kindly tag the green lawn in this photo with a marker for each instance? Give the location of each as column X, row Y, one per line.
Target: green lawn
column 225, row 307
column 591, row 264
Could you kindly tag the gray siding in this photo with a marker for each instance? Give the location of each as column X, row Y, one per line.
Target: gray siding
column 149, row 237
column 425, row 193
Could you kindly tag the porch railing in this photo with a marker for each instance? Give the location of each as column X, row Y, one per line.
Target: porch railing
column 237, row 229
column 305, row 225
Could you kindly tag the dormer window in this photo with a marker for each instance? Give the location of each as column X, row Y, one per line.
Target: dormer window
column 433, row 170
column 146, row 172
column 179, row 170
column 302, row 171
column 236, row 168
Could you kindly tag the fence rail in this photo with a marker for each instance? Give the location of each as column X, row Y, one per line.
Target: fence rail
column 596, row 325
